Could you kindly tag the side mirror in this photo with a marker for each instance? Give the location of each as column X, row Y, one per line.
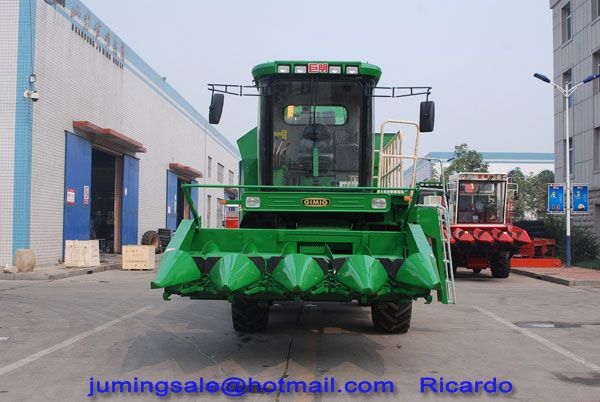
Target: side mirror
column 216, row 108
column 427, row 116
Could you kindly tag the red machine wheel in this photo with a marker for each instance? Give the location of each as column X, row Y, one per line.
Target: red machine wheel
column 500, row 264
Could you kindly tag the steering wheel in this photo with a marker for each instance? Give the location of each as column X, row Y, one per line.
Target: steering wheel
column 316, row 132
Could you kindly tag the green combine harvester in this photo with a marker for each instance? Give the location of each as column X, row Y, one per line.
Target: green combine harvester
column 325, row 214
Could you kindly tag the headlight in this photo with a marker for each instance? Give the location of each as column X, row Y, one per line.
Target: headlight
column 283, row 69
column 335, row 69
column 352, row 70
column 300, row 69
column 252, row 202
column 379, row 203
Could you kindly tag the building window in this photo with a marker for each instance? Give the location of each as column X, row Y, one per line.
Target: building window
column 231, row 177
column 571, row 161
column 597, row 219
column 568, row 80
column 208, row 209
column 220, row 173
column 567, row 23
column 595, row 9
column 596, row 70
column 597, row 148
column 209, row 167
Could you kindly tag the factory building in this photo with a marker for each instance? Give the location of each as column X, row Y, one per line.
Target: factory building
column 576, row 54
column 94, row 144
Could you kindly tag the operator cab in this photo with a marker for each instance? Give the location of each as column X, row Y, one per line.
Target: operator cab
column 478, row 198
column 316, row 121
column 315, row 125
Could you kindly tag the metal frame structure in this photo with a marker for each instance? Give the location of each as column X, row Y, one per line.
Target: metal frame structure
column 393, row 92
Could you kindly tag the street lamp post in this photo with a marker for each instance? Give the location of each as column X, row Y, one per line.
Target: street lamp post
column 566, row 92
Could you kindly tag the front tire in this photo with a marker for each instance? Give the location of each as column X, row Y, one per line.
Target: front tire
column 392, row 317
column 249, row 315
column 500, row 265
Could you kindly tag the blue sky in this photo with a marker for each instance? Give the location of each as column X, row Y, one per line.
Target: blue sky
column 479, row 56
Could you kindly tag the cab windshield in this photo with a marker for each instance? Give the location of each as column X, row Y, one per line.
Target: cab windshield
column 481, row 202
column 316, row 132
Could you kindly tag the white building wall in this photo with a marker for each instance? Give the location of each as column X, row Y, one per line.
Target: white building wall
column 9, row 25
column 229, row 162
column 526, row 168
column 77, row 82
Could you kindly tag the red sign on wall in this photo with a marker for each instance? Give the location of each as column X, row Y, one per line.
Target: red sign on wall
column 70, row 196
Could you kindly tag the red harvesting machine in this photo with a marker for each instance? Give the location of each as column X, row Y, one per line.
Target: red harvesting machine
column 480, row 233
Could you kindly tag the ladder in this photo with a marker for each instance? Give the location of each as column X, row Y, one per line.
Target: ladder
column 444, row 218
column 445, row 233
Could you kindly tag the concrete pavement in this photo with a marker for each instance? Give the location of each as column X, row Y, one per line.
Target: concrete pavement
column 113, row 327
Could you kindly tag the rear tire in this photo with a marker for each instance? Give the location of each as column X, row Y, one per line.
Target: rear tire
column 500, row 264
column 392, row 317
column 249, row 315
column 151, row 238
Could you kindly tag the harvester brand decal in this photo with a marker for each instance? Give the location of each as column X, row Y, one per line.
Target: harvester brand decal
column 316, row 202
column 318, row 68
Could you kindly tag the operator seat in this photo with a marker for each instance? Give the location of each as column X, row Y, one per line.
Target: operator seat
column 319, row 136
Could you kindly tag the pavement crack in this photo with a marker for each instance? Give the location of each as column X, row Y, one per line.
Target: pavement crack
column 289, row 352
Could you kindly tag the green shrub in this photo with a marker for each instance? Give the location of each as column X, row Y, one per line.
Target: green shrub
column 584, row 245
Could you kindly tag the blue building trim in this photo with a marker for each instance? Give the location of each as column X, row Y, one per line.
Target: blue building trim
column 23, row 127
column 134, row 62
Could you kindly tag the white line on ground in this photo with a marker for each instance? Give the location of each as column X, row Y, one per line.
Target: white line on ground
column 542, row 340
column 38, row 355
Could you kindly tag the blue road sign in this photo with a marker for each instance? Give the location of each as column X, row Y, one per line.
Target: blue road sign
column 580, row 199
column 556, row 199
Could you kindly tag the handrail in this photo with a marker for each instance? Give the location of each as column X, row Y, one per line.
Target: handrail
column 398, row 137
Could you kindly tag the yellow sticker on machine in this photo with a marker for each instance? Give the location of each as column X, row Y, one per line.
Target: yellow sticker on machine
column 316, row 202
column 280, row 134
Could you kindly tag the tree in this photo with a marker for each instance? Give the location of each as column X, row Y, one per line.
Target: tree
column 466, row 160
column 532, row 200
column 538, row 197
